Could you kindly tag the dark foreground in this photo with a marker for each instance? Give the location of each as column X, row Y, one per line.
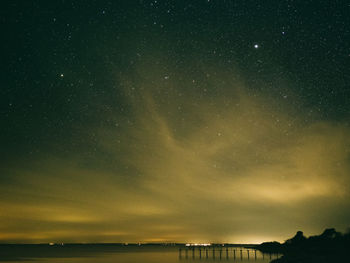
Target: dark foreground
column 131, row 253
column 329, row 247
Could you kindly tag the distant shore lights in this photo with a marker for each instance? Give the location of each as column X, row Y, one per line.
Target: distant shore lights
column 197, row 245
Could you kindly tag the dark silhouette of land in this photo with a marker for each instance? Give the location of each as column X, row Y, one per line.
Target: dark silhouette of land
column 329, row 247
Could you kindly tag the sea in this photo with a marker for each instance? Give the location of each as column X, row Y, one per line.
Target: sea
column 111, row 253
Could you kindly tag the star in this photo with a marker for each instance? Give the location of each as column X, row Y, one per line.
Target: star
column 61, row 75
column 256, row 46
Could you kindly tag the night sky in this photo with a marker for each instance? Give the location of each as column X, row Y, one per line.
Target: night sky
column 181, row 121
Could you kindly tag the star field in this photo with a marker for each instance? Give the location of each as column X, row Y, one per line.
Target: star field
column 125, row 121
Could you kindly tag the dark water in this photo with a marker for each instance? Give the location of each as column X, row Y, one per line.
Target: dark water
column 128, row 254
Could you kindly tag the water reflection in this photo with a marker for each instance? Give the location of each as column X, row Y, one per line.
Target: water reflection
column 128, row 254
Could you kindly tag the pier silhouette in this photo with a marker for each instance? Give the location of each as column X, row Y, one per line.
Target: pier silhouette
column 224, row 253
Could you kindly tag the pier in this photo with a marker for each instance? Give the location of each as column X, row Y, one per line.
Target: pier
column 224, row 252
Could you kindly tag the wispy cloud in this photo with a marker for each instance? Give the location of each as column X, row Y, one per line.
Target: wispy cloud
column 228, row 167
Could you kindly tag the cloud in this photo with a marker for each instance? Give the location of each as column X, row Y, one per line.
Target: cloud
column 185, row 164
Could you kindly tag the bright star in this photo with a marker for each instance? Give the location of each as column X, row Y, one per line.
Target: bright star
column 256, row 46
